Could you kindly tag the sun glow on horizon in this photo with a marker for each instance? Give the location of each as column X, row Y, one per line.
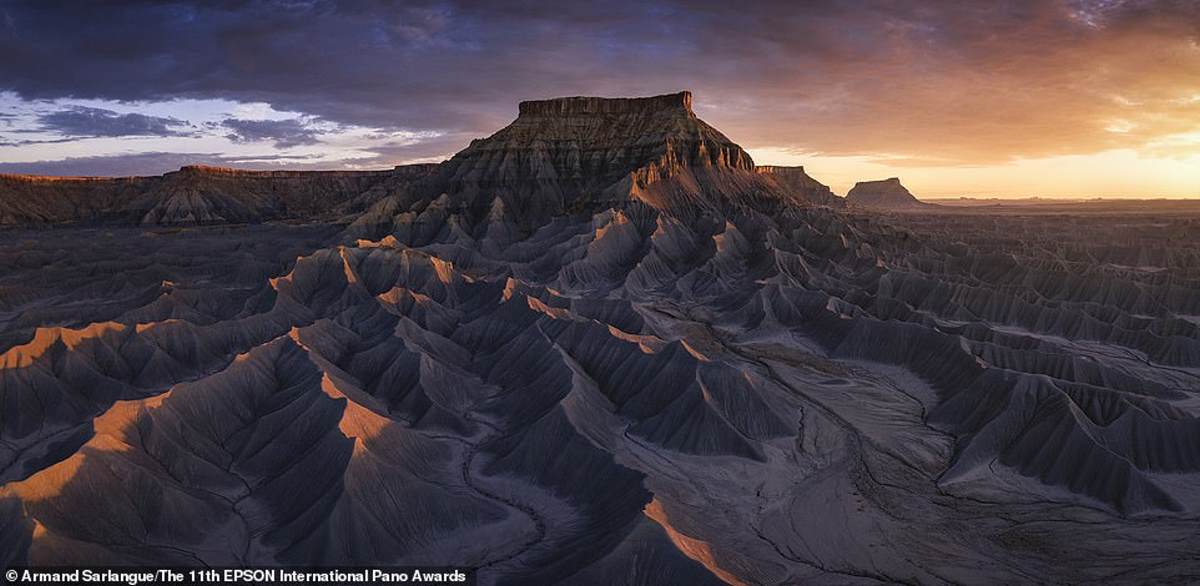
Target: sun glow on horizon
column 1117, row 173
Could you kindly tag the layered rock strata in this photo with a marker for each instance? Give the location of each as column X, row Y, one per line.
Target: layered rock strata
column 578, row 390
column 796, row 180
column 572, row 155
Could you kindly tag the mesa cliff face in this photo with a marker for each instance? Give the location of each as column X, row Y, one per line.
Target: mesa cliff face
column 36, row 200
column 569, row 152
column 568, row 155
column 533, row 371
column 796, row 180
column 887, row 193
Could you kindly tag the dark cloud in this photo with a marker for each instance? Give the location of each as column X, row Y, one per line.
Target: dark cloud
column 964, row 82
column 80, row 121
column 284, row 133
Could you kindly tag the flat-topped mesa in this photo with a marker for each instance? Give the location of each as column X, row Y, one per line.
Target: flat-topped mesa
column 885, row 193
column 585, row 106
column 574, row 154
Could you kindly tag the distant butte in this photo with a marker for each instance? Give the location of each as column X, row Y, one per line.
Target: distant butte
column 888, row 193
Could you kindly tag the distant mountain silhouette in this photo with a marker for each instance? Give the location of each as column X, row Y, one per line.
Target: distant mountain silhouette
column 888, row 193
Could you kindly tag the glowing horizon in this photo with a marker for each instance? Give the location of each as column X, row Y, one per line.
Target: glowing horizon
column 1115, row 174
column 1023, row 98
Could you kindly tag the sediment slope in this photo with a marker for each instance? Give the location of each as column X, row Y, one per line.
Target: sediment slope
column 796, row 180
column 700, row 380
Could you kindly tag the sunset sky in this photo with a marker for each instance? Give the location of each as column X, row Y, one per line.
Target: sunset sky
column 1070, row 98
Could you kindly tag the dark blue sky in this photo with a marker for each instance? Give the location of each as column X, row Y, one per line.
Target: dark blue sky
column 932, row 89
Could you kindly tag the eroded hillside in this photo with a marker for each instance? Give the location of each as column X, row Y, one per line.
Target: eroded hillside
column 598, row 347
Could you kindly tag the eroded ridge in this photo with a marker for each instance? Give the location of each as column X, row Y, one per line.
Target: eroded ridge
column 756, row 390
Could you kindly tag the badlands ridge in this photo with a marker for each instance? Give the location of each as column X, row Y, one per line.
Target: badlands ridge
column 600, row 346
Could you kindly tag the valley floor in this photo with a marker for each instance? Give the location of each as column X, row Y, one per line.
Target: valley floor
column 616, row 398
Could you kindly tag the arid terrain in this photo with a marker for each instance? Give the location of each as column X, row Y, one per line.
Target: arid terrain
column 600, row 346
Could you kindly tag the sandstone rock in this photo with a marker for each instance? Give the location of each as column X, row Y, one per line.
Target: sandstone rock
column 888, row 193
column 527, row 378
column 795, row 180
column 575, row 154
